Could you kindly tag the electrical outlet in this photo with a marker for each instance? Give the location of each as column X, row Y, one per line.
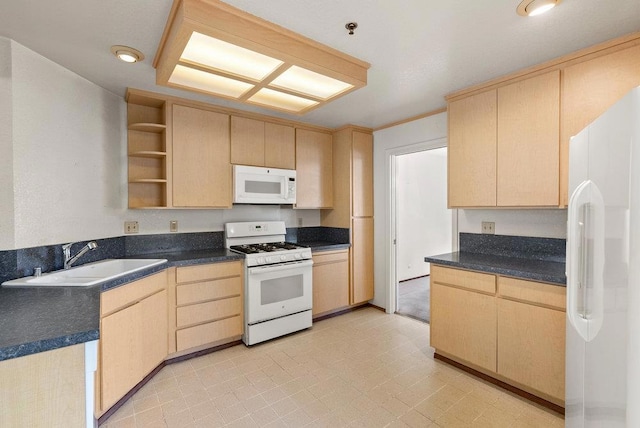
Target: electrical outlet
column 173, row 226
column 299, row 221
column 130, row 227
column 488, row 227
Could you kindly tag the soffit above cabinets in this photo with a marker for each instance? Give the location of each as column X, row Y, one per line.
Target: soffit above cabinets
column 216, row 49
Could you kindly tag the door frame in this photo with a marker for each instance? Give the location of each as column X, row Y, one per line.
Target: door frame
column 390, row 236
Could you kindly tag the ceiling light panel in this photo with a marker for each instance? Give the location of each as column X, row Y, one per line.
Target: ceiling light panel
column 281, row 101
column 308, row 82
column 214, row 53
column 207, row 82
column 211, row 46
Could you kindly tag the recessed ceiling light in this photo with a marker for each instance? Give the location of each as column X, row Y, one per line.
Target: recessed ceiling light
column 536, row 7
column 127, row 54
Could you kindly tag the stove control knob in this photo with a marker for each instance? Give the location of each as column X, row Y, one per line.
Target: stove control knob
column 298, row 256
column 260, row 260
column 283, row 258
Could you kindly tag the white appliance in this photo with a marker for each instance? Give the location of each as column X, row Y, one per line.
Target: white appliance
column 603, row 271
column 258, row 185
column 278, row 293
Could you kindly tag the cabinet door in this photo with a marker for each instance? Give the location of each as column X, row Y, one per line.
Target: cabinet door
column 472, row 151
column 531, row 346
column 201, row 164
column 330, row 281
column 528, row 142
column 247, row 141
column 133, row 341
column 361, row 260
column 588, row 89
column 279, row 146
column 463, row 324
column 362, row 183
column 314, row 169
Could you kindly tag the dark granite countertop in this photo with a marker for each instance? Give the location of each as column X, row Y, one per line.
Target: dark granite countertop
column 524, row 268
column 40, row 319
column 323, row 245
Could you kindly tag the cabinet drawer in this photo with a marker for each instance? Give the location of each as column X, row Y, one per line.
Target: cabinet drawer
column 208, row 290
column 331, row 256
column 482, row 282
column 131, row 293
column 208, row 271
column 209, row 311
column 207, row 333
column 533, row 292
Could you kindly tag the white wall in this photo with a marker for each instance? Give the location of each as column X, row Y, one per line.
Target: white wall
column 69, row 162
column 431, row 128
column 549, row 223
column 7, row 237
column 424, row 224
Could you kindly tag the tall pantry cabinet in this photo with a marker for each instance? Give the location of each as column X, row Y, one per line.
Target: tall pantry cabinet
column 353, row 205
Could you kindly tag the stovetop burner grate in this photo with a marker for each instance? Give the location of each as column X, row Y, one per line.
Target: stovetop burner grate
column 265, row 248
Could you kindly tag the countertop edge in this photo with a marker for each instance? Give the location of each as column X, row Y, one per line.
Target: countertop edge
column 514, row 273
column 44, row 345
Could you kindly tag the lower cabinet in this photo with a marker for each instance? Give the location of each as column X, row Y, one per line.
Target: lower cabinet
column 511, row 329
column 362, row 288
column 46, row 389
column 463, row 316
column 330, row 281
column 531, row 335
column 208, row 304
column 133, row 336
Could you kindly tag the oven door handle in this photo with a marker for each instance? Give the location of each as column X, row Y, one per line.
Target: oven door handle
column 282, row 266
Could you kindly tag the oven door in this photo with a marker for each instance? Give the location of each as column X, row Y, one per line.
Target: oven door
column 277, row 290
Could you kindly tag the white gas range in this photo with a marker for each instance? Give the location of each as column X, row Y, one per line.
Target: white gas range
column 278, row 292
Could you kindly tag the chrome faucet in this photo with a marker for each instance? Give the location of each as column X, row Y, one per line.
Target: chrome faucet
column 66, row 249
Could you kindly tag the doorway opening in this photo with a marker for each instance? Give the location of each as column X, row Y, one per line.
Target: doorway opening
column 422, row 225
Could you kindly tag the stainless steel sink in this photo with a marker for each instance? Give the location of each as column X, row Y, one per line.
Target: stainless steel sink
column 86, row 275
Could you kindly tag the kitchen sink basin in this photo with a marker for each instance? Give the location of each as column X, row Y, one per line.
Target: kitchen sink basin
column 86, row 275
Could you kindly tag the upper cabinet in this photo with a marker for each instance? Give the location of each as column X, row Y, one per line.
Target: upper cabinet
column 258, row 143
column 362, row 183
column 509, row 138
column 472, row 151
column 201, row 168
column 314, row 170
column 528, row 142
column 504, row 145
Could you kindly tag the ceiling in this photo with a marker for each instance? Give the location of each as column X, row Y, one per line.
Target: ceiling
column 419, row 50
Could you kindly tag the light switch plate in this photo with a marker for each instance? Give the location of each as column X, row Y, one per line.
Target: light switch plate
column 488, row 227
column 173, row 226
column 130, row 227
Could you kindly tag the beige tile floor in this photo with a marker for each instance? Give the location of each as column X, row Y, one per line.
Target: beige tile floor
column 361, row 369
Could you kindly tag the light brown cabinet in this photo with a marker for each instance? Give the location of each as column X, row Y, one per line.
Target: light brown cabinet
column 201, row 166
column 148, row 152
column 463, row 316
column 531, row 335
column 314, row 170
column 330, row 281
column 528, row 142
column 208, row 305
column 504, row 145
column 511, row 329
column 46, row 389
column 353, row 206
column 258, row 143
column 133, row 336
column 589, row 88
column 472, row 150
column 509, row 138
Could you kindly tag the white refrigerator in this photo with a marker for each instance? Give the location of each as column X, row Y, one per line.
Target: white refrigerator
column 603, row 271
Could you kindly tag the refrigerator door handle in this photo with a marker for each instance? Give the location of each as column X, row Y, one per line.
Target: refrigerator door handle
column 585, row 260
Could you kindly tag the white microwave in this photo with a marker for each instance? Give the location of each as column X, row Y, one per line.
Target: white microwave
column 258, row 185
